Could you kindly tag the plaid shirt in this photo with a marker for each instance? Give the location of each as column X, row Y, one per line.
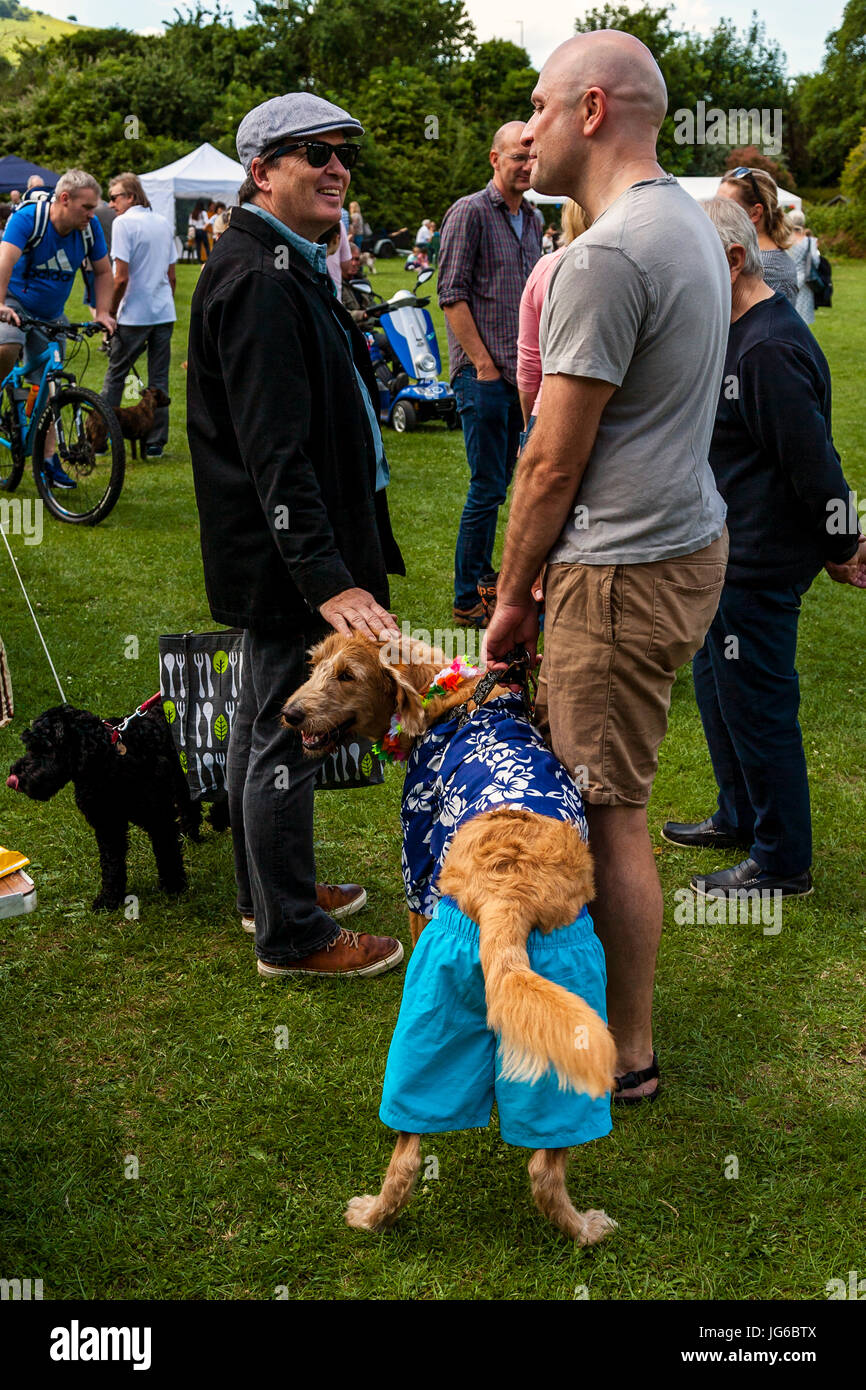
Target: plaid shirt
column 482, row 262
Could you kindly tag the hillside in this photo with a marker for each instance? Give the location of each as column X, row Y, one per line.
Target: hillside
column 35, row 28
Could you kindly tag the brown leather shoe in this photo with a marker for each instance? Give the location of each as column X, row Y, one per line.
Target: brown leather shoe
column 337, row 899
column 351, row 953
column 340, row 899
column 470, row 617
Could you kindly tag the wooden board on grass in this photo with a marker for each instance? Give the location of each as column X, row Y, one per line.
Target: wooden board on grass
column 17, row 894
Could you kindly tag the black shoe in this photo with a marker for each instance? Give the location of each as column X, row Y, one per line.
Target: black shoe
column 153, row 451
column 701, row 835
column 748, row 877
column 398, row 383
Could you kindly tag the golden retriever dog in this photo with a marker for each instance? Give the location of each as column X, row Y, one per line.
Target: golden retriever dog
column 509, row 871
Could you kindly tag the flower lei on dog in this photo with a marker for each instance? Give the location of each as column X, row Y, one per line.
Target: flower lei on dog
column 388, row 748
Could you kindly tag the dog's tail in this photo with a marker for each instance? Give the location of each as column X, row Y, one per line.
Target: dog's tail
column 542, row 1026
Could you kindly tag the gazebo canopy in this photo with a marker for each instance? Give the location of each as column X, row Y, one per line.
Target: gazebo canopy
column 14, row 173
column 203, row 173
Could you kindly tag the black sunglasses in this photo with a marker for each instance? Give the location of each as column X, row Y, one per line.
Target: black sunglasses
column 744, row 173
column 319, row 152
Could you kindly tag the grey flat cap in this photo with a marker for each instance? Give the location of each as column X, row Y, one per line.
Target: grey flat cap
column 296, row 114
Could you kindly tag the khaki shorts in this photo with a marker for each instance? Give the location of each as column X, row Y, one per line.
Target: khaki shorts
column 614, row 638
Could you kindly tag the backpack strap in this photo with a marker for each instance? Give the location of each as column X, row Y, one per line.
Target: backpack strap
column 40, row 221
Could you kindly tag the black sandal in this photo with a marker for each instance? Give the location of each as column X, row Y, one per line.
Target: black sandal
column 636, row 1078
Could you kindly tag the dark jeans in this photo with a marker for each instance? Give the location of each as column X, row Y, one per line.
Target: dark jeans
column 270, row 785
column 127, row 345
column 492, row 420
column 748, row 695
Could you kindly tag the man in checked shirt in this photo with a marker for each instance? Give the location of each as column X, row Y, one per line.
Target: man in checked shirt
column 490, row 242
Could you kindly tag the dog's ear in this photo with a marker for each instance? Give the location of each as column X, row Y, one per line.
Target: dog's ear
column 409, row 706
column 408, row 665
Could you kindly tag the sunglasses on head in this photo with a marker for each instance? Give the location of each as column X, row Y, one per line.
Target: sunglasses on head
column 744, row 173
column 319, row 152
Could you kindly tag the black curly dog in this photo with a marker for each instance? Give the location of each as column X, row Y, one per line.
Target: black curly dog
column 144, row 786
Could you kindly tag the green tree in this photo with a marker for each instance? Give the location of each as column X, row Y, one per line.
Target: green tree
column 406, row 153
column 854, row 173
column 831, row 105
column 340, row 38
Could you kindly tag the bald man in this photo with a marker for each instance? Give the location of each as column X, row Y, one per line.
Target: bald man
column 615, row 492
column 489, row 243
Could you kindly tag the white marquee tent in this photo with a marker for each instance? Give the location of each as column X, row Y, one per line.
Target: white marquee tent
column 203, row 173
column 697, row 187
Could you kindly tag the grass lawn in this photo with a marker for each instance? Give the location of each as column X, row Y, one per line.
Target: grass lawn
column 155, row 1040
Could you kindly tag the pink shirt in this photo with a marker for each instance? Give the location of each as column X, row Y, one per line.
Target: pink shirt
column 529, row 373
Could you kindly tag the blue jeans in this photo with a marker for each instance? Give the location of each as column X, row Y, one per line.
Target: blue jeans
column 748, row 694
column 490, row 412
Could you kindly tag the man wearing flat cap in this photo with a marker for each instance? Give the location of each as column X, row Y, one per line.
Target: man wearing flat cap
column 290, row 479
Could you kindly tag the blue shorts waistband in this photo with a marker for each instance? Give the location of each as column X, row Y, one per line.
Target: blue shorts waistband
column 448, row 918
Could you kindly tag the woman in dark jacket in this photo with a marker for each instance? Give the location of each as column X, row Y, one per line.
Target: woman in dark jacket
column 790, row 514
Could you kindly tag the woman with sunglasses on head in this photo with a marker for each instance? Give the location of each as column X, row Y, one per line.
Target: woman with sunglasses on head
column 756, row 192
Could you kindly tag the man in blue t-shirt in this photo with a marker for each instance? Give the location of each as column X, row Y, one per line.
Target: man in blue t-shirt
column 35, row 280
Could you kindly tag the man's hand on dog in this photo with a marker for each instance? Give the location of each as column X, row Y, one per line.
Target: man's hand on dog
column 354, row 610
column 514, row 624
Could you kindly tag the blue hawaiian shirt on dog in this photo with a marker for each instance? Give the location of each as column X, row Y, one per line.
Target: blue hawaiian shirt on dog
column 498, row 758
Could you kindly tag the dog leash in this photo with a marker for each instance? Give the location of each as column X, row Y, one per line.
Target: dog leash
column 519, row 668
column 32, row 614
column 118, row 729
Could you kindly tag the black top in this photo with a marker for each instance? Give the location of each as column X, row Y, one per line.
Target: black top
column 282, row 449
column 772, row 453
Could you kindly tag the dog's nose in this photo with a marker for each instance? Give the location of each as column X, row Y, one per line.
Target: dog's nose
column 12, row 781
column 294, row 715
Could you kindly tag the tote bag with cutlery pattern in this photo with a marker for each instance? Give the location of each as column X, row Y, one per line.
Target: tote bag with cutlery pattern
column 200, row 677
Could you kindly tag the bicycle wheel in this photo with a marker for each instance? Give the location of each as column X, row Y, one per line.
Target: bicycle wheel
column 84, row 480
column 11, row 446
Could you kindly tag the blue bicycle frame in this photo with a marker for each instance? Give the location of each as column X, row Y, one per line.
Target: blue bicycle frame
column 50, row 364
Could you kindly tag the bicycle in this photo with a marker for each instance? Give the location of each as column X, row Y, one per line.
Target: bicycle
column 89, row 444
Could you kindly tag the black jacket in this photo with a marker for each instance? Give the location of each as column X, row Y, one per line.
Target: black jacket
column 773, row 456
column 282, row 450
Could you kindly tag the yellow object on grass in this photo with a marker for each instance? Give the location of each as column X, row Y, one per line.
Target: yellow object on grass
column 11, row 861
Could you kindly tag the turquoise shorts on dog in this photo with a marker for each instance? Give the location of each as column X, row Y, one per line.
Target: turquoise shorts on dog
column 443, row 1064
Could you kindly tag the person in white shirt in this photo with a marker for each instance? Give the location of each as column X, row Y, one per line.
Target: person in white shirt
column 425, row 233
column 144, row 256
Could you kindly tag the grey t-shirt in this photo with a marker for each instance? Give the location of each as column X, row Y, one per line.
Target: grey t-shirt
column 643, row 300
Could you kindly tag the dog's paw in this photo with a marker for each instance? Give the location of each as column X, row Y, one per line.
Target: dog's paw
column 595, row 1225
column 361, row 1214
column 174, row 889
column 104, row 902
